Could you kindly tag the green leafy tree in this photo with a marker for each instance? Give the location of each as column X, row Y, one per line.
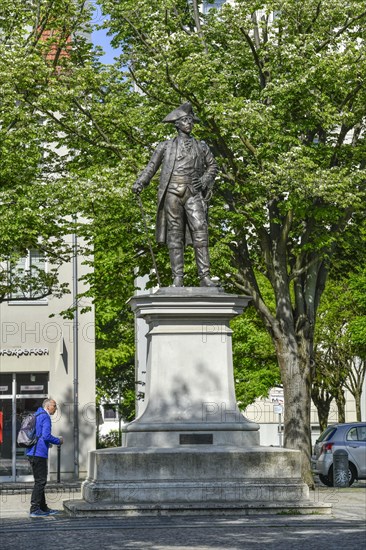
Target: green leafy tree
column 358, row 324
column 282, row 104
column 357, row 331
column 333, row 359
column 35, row 205
column 255, row 363
column 339, row 365
column 56, row 162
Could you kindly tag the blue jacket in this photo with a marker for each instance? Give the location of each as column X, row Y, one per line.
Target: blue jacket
column 43, row 432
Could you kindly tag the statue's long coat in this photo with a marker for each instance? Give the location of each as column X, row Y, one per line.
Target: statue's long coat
column 165, row 155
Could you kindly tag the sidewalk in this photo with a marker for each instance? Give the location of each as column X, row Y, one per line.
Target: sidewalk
column 345, row 528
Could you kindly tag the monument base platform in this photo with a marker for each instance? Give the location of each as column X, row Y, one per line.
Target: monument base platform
column 80, row 508
column 220, row 480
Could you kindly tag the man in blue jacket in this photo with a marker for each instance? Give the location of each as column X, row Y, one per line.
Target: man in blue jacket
column 38, row 457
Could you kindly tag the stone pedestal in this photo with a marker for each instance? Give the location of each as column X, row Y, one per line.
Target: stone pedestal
column 190, row 395
column 191, row 449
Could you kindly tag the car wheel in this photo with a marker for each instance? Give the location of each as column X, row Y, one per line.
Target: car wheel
column 351, row 476
column 325, row 480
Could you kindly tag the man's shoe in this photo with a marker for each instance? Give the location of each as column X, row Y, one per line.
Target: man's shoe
column 38, row 514
column 51, row 512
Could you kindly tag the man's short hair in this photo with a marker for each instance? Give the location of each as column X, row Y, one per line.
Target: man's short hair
column 47, row 401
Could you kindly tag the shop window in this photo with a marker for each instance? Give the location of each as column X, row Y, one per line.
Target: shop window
column 6, row 381
column 20, row 394
column 35, row 384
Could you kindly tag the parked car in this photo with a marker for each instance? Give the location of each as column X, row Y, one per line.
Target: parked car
column 350, row 437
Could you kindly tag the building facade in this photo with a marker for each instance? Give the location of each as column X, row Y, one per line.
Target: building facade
column 44, row 355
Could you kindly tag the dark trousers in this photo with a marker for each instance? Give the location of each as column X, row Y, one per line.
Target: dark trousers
column 39, row 469
column 185, row 208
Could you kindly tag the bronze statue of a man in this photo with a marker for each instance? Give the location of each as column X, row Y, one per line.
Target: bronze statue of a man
column 187, row 176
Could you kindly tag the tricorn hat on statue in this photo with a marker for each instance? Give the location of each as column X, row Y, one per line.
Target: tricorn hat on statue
column 183, row 110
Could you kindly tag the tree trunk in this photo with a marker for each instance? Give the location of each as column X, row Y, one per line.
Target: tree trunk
column 322, row 401
column 341, row 405
column 354, row 383
column 357, row 397
column 294, row 362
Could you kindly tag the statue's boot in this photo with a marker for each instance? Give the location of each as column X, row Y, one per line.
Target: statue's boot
column 175, row 242
column 176, row 256
column 200, row 243
column 207, row 281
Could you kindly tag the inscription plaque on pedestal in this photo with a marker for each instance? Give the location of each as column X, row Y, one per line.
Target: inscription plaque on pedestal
column 195, row 439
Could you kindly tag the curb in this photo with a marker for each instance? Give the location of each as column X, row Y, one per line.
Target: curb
column 27, row 487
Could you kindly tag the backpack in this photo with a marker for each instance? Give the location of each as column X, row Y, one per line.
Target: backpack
column 27, row 432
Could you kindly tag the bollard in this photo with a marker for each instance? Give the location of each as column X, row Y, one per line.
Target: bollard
column 58, row 463
column 340, row 468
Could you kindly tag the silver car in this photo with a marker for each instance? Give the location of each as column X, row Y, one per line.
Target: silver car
column 350, row 437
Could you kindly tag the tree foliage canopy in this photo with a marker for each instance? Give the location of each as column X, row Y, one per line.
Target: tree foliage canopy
column 339, row 362
column 278, row 87
column 280, row 92
column 35, row 210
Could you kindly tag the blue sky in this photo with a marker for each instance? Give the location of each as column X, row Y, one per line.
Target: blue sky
column 100, row 38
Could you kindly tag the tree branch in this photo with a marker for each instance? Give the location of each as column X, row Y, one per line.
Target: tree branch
column 314, row 19
column 66, row 126
column 258, row 62
column 196, row 15
column 248, row 145
column 100, row 131
column 140, row 35
column 340, row 31
column 146, row 91
column 265, row 313
column 351, row 95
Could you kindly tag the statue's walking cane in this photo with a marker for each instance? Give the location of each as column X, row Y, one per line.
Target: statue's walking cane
column 148, row 238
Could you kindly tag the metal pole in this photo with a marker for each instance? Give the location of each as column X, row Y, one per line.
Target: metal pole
column 119, row 417
column 14, row 430
column 148, row 238
column 58, row 463
column 280, row 429
column 75, row 353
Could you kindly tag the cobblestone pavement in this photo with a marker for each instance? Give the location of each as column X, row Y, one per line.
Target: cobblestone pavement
column 345, row 528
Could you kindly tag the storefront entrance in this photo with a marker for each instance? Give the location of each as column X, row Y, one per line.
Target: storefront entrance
column 20, row 394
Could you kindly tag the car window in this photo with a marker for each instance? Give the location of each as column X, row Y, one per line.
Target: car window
column 352, row 434
column 327, row 434
column 361, row 432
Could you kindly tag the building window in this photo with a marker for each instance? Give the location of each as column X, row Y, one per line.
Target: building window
column 110, row 411
column 28, row 277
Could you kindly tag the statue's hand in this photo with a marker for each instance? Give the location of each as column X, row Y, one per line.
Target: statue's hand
column 197, row 184
column 137, row 188
column 205, row 182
